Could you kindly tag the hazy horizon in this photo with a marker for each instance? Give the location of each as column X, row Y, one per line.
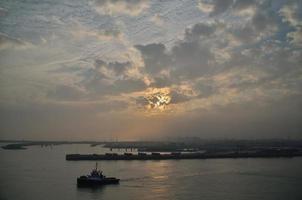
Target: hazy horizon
column 139, row 69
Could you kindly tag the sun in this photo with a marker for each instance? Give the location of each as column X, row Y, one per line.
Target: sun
column 158, row 98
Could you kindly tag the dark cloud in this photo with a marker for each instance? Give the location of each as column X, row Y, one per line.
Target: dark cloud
column 263, row 24
column 91, row 77
column 178, row 97
column 119, row 68
column 102, row 87
column 161, row 81
column 155, row 57
column 206, row 88
column 141, row 101
column 110, row 78
column 102, row 78
column 263, row 20
column 199, row 30
column 192, row 59
column 189, row 58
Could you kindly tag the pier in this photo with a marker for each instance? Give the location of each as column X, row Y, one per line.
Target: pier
column 176, row 156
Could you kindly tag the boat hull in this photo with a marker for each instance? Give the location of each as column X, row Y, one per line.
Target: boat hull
column 86, row 182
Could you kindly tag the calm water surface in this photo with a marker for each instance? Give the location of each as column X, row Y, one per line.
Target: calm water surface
column 43, row 173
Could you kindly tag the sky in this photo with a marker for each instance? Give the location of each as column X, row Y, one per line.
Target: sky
column 141, row 69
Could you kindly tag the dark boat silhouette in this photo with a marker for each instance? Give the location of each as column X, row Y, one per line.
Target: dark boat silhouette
column 95, row 178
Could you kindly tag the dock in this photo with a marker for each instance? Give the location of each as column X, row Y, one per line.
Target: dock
column 176, row 156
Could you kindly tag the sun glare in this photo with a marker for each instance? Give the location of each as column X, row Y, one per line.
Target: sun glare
column 158, row 98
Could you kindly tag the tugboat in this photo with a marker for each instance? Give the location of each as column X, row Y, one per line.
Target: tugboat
column 95, row 178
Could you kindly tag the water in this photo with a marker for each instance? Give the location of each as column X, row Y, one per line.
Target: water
column 43, row 173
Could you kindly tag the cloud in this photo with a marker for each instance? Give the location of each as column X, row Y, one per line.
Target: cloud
column 141, row 101
column 217, row 61
column 117, row 68
column 291, row 14
column 214, row 7
column 234, row 66
column 295, row 37
column 157, row 19
column 206, row 87
column 262, row 25
column 220, row 6
column 155, row 58
column 128, row 7
column 244, row 4
column 205, row 6
column 179, row 97
column 7, row 42
column 245, row 7
column 103, row 35
column 110, row 78
column 66, row 93
column 200, row 30
column 190, row 57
